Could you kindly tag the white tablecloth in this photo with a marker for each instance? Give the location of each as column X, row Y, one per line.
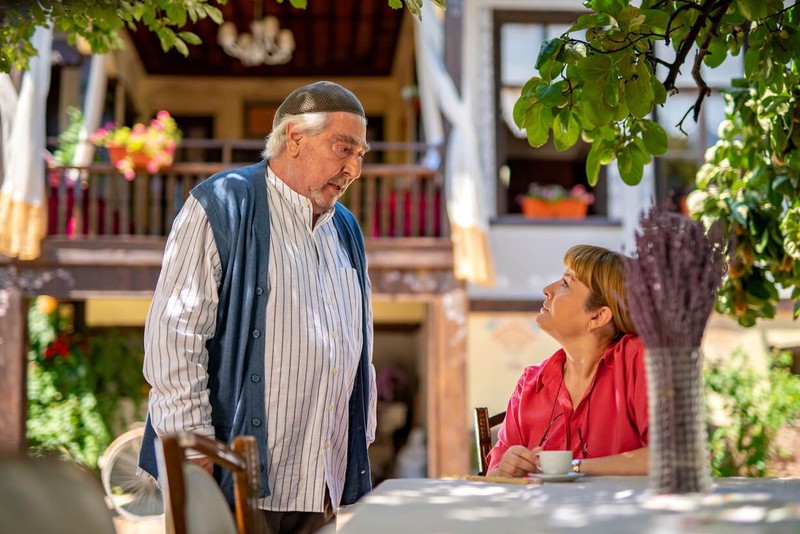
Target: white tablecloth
column 618, row 505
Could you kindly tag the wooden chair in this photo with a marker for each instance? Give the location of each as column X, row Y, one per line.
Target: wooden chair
column 483, row 435
column 194, row 502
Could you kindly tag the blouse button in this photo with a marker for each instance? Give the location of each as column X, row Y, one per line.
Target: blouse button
column 255, row 378
column 256, row 334
column 256, row 421
column 259, row 291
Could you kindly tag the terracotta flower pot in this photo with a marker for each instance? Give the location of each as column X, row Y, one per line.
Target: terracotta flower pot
column 568, row 208
column 118, row 152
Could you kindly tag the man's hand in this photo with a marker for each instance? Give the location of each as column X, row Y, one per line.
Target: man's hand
column 518, row 462
column 207, row 464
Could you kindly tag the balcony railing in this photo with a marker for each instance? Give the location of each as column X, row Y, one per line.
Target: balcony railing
column 389, row 200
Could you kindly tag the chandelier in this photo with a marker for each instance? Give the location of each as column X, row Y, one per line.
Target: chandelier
column 266, row 42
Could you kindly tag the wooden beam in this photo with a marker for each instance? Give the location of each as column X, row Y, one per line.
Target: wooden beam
column 449, row 434
column 12, row 372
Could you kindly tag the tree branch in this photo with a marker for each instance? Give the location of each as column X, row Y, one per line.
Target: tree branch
column 688, row 43
column 715, row 19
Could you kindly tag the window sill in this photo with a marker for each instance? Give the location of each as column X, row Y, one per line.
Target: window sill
column 521, row 220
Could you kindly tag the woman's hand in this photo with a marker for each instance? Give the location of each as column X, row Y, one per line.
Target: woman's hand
column 518, row 461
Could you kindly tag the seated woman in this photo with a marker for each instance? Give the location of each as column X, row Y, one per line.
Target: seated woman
column 590, row 397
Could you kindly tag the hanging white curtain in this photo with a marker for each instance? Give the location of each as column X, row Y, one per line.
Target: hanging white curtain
column 23, row 218
column 469, row 220
column 92, row 111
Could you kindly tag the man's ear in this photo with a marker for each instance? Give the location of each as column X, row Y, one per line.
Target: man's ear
column 293, row 138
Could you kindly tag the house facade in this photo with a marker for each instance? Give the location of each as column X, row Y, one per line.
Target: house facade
column 457, row 343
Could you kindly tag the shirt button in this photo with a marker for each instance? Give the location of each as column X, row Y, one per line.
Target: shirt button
column 328, row 302
column 333, row 334
column 255, row 421
column 256, row 334
column 330, row 407
column 335, row 371
column 326, row 444
column 259, row 291
column 255, row 378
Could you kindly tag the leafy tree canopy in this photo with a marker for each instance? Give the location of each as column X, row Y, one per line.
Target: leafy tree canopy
column 99, row 22
column 602, row 88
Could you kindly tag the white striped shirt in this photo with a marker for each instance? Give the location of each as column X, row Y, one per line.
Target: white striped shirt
column 313, row 347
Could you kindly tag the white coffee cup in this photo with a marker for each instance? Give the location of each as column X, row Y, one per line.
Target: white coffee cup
column 555, row 462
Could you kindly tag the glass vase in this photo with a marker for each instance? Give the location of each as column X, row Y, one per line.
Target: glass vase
column 679, row 459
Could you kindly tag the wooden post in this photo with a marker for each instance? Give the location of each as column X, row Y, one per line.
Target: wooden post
column 12, row 372
column 449, row 438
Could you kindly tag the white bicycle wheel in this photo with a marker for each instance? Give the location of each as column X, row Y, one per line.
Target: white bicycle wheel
column 133, row 496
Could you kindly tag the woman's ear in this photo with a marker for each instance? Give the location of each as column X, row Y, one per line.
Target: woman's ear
column 600, row 317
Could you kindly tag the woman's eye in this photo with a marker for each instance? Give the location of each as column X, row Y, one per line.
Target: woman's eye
column 564, row 282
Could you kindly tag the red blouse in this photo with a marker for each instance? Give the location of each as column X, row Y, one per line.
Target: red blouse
column 611, row 418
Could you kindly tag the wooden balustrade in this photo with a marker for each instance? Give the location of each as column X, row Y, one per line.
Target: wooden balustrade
column 390, row 201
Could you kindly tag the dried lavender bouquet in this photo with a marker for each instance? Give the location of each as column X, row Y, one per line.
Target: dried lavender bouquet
column 673, row 279
column 672, row 283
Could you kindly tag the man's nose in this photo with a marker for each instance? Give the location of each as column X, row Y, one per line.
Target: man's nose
column 353, row 166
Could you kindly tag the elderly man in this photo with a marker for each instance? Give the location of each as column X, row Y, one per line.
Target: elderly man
column 261, row 322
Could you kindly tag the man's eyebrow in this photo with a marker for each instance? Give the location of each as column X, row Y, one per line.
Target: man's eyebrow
column 350, row 140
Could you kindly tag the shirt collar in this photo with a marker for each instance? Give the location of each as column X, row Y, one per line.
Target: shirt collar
column 301, row 203
column 553, row 370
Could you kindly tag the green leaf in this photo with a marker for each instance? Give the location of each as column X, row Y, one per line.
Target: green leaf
column 521, row 107
column 593, row 164
column 548, row 51
column 656, row 19
column 630, row 169
column 214, row 13
column 594, row 108
column 659, row 91
column 551, row 95
column 589, row 20
column 537, row 124
column 717, row 52
column 566, row 130
column 594, row 68
column 630, row 19
column 190, row 38
column 531, row 85
column 621, row 110
column 654, row 137
column 639, row 92
column 751, row 9
column 611, row 90
column 611, row 7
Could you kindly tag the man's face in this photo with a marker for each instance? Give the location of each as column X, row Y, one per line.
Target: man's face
column 324, row 166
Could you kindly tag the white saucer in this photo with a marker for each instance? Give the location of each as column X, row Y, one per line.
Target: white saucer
column 565, row 477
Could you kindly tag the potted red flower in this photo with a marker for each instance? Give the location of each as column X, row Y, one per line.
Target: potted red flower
column 555, row 201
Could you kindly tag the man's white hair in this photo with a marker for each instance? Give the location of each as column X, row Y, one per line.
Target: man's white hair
column 311, row 124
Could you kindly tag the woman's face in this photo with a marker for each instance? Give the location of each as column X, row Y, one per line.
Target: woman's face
column 563, row 314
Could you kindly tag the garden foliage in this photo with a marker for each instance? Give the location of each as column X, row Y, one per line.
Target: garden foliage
column 752, row 408
column 75, row 385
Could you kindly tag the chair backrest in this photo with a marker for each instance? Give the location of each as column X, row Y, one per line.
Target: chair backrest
column 193, row 502
column 483, row 434
column 51, row 495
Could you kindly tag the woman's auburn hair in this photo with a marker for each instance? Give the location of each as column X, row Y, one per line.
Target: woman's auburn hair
column 603, row 272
